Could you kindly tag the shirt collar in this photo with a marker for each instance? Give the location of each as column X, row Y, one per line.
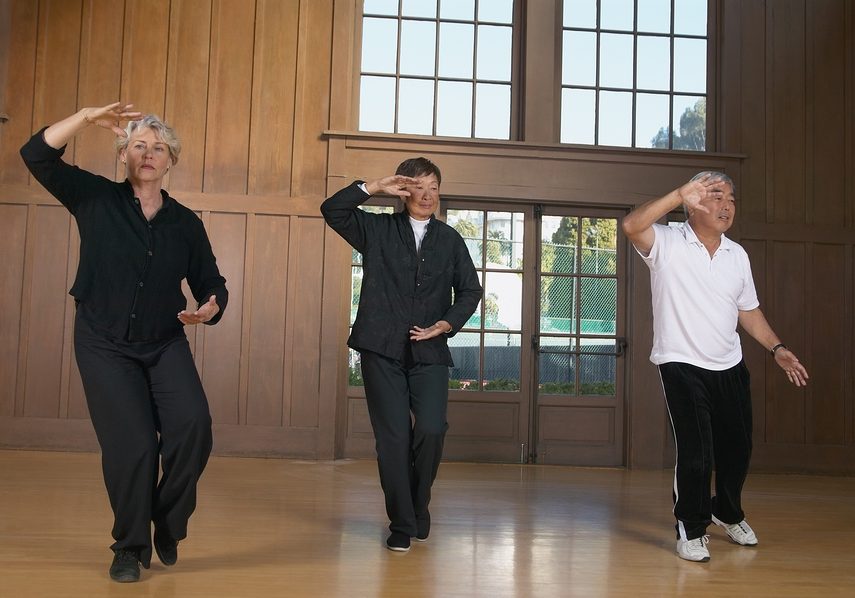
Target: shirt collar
column 726, row 244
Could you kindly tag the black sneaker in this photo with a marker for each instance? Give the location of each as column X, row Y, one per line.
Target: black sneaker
column 422, row 527
column 166, row 548
column 398, row 542
column 125, row 567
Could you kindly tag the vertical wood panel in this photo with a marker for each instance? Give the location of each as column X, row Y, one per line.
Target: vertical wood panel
column 307, row 325
column 187, row 88
column 100, row 81
column 828, row 42
column 311, row 111
column 17, row 94
column 221, row 347
column 825, row 408
column 785, row 404
column 146, row 42
column 47, row 314
column 13, row 226
column 728, row 87
column 753, row 116
column 229, row 96
column 345, row 76
column 267, row 322
column 273, row 87
column 756, row 356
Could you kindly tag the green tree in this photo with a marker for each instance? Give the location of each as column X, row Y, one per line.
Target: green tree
column 693, row 130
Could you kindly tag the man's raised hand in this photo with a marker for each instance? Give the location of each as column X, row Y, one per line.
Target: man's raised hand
column 391, row 185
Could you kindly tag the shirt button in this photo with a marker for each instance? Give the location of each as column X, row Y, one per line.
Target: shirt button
column 133, row 316
column 141, row 284
column 150, row 253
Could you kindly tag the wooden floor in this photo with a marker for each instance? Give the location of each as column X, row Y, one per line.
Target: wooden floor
column 293, row 528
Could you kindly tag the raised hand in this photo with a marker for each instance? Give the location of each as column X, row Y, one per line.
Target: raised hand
column 201, row 315
column 694, row 192
column 391, row 185
column 110, row 116
column 796, row 372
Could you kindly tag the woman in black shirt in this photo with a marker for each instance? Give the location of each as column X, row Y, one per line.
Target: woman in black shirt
column 145, row 398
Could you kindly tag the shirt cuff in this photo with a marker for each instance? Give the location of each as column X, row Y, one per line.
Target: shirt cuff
column 364, row 188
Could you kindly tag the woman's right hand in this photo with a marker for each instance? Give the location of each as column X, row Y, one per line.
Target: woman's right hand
column 110, row 116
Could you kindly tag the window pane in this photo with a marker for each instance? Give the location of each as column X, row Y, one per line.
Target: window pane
column 654, row 16
column 354, row 367
column 690, row 123
column 492, row 111
column 651, row 120
column 558, row 244
column 494, row 53
column 654, row 59
column 690, row 17
column 355, row 291
column 615, row 119
column 558, row 367
column 505, row 240
column 379, row 45
column 456, row 50
column 475, row 319
column 597, row 372
column 598, row 305
column 377, row 104
column 502, row 362
column 616, row 14
column 577, row 116
column 465, row 350
column 599, row 246
column 615, row 60
column 415, row 107
column 470, row 225
column 457, row 9
column 690, row 65
column 418, row 8
column 579, row 58
column 502, row 300
column 580, row 13
column 418, row 41
column 454, row 109
column 557, row 304
column 380, row 7
column 496, row 11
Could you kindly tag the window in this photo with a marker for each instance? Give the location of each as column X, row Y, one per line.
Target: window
column 634, row 73
column 437, row 67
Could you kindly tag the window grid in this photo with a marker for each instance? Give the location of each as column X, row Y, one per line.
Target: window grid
column 634, row 90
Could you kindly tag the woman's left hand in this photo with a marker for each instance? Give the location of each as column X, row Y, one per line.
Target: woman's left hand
column 201, row 315
column 417, row 333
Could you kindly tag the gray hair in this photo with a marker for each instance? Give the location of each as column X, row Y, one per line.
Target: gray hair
column 163, row 131
column 716, row 176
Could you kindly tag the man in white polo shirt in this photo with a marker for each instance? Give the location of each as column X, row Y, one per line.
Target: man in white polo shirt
column 702, row 288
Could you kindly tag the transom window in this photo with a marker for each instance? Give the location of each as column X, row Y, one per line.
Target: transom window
column 634, row 73
column 437, row 67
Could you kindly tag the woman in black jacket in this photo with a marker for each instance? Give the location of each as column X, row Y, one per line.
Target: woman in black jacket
column 411, row 264
column 144, row 394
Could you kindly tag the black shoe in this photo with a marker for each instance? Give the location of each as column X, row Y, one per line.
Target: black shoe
column 422, row 527
column 166, row 548
column 398, row 542
column 125, row 567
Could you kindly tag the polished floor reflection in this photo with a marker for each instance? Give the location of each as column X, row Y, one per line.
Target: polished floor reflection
column 295, row 528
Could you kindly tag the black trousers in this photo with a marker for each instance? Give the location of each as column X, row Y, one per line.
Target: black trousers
column 149, row 411
column 711, row 417
column 409, row 447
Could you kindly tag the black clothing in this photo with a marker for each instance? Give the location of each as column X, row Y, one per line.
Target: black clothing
column 711, row 416
column 402, row 287
column 128, row 282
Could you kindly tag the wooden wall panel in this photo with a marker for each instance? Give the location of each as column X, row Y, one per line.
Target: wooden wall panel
column 46, row 309
column 13, row 226
column 267, row 321
column 16, row 97
column 755, row 355
column 825, row 408
column 145, row 50
column 229, row 96
column 220, row 365
column 273, row 96
column 305, row 291
column 187, row 88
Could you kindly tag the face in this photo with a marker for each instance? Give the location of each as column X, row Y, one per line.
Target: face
column 424, row 197
column 146, row 157
column 722, row 212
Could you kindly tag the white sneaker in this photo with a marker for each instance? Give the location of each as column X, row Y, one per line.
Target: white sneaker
column 741, row 532
column 694, row 550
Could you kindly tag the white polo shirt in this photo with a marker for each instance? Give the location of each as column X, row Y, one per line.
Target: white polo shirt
column 697, row 299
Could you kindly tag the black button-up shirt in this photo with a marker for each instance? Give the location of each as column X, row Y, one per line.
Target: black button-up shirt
column 128, row 283
column 402, row 287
